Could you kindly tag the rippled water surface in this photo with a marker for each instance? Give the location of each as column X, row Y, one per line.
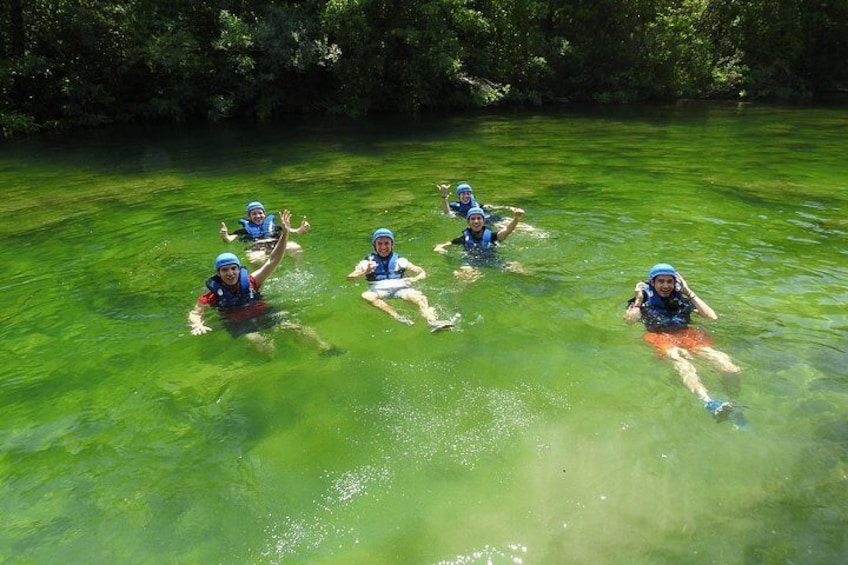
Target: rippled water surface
column 539, row 430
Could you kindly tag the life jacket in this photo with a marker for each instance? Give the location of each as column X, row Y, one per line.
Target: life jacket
column 265, row 230
column 228, row 299
column 665, row 314
column 461, row 209
column 387, row 268
column 486, row 241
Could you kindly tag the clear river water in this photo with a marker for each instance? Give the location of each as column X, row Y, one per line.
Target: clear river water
column 539, row 430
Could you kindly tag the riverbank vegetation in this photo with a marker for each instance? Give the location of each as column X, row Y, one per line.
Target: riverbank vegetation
column 71, row 63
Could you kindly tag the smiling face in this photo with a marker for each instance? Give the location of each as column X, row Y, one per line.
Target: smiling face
column 257, row 216
column 383, row 246
column 465, row 197
column 664, row 285
column 229, row 274
column 476, row 222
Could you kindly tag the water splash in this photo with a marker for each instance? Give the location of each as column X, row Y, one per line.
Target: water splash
column 514, row 553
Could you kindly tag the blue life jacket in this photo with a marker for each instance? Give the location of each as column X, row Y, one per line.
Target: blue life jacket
column 226, row 298
column 387, row 268
column 486, row 241
column 665, row 314
column 265, row 230
column 461, row 209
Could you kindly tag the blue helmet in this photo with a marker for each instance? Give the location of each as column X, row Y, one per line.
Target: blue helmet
column 225, row 259
column 382, row 232
column 661, row 269
column 251, row 206
column 475, row 210
column 464, row 187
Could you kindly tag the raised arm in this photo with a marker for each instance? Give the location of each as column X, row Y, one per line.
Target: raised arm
column 444, row 195
column 701, row 307
column 634, row 311
column 276, row 255
column 225, row 234
column 362, row 268
column 504, row 233
column 302, row 229
column 417, row 272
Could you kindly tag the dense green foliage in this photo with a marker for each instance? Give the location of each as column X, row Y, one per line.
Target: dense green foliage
column 87, row 62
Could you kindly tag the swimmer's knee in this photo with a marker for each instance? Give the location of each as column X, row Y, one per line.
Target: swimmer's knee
column 370, row 297
column 467, row 273
column 294, row 251
column 516, row 268
column 677, row 353
column 256, row 257
column 720, row 359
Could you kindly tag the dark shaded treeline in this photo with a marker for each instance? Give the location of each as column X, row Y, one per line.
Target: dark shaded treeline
column 69, row 63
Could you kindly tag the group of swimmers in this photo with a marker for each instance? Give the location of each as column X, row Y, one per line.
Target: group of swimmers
column 663, row 303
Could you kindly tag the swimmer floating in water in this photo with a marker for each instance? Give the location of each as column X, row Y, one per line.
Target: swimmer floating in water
column 466, row 201
column 260, row 231
column 235, row 294
column 479, row 243
column 664, row 305
column 386, row 273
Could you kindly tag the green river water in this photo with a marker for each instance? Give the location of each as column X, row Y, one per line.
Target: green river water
column 540, row 430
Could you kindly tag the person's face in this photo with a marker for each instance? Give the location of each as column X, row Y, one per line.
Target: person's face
column 476, row 222
column 465, row 197
column 229, row 274
column 664, row 285
column 383, row 246
column 257, row 215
